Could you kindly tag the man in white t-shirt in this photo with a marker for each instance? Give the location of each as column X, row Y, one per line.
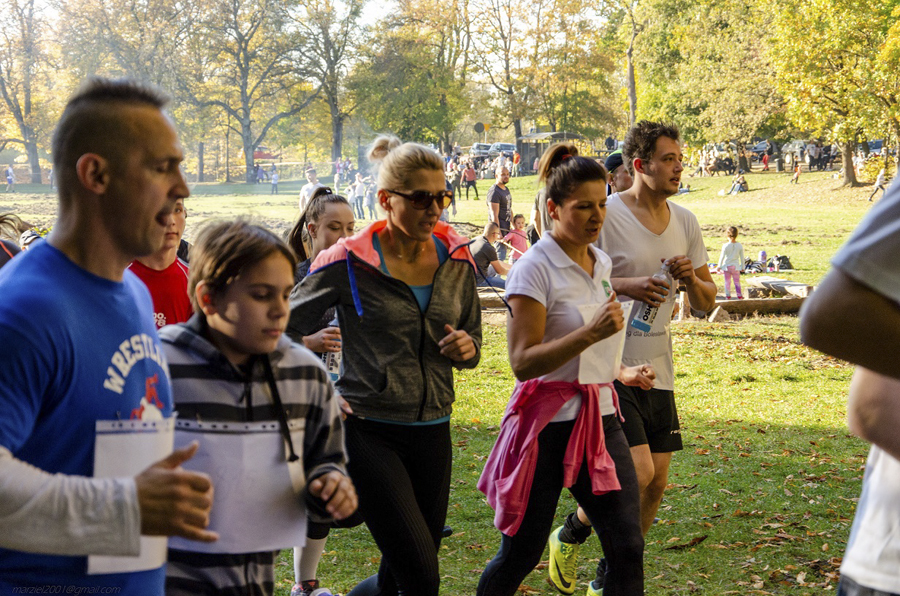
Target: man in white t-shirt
column 643, row 229
column 855, row 315
column 312, row 183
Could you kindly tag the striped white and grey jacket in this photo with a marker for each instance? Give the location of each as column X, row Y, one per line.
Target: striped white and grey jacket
column 207, row 387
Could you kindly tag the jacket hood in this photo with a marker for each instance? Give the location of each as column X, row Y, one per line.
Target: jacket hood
column 360, row 244
column 190, row 337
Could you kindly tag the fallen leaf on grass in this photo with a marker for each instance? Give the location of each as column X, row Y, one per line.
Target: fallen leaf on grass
column 693, row 542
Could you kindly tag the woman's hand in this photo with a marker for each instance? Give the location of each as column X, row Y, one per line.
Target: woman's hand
column 346, row 410
column 457, row 344
column 608, row 320
column 638, row 376
column 326, row 340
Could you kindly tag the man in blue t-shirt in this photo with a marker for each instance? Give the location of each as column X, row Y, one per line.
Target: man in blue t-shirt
column 81, row 358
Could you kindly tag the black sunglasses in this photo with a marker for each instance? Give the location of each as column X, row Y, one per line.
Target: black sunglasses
column 422, row 199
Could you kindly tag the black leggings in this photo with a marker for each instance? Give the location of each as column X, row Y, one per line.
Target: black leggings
column 615, row 516
column 402, row 477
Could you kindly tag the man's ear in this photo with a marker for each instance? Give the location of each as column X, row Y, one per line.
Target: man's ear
column 638, row 165
column 93, row 172
column 205, row 298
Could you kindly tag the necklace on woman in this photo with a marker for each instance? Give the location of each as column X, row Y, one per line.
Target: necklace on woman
column 410, row 258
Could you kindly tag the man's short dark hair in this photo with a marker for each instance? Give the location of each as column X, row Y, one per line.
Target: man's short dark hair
column 641, row 139
column 91, row 122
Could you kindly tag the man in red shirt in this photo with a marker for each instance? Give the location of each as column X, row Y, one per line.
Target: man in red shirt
column 166, row 276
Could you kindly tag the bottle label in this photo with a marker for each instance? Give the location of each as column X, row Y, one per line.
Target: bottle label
column 643, row 321
column 333, row 365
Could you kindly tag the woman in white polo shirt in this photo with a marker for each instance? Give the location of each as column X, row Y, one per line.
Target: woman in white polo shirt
column 562, row 305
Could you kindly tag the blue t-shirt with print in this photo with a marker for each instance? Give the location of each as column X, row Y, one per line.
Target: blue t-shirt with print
column 75, row 348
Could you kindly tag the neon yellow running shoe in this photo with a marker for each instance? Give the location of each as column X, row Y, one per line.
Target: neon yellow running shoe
column 594, row 591
column 563, row 559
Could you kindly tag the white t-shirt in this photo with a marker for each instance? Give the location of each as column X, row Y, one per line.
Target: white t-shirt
column 637, row 252
column 306, row 193
column 547, row 274
column 873, row 550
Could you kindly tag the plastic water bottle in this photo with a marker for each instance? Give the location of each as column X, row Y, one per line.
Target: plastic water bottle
column 643, row 320
column 332, row 360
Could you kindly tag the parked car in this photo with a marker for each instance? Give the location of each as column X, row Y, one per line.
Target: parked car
column 497, row 148
column 480, row 150
column 757, row 151
column 874, row 146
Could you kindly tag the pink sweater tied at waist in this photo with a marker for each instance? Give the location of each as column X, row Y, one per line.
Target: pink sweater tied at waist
column 509, row 471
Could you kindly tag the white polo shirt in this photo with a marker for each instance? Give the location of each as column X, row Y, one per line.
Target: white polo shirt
column 547, row 274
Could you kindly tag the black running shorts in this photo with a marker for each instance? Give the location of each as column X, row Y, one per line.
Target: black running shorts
column 651, row 418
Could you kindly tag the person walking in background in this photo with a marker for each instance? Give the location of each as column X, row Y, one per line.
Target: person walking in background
column 469, row 175
column 795, row 179
column 499, row 200
column 10, row 178
column 516, row 237
column 312, row 183
column 879, row 185
column 274, row 182
column 731, row 263
column 358, row 194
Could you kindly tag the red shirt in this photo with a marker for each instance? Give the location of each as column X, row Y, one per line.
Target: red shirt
column 169, row 290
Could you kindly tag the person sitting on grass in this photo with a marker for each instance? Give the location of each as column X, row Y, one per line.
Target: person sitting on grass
column 490, row 267
column 738, row 183
column 231, row 362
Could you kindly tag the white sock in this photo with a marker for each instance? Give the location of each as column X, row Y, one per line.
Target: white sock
column 306, row 559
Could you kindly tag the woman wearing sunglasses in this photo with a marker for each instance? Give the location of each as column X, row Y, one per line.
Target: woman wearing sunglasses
column 404, row 288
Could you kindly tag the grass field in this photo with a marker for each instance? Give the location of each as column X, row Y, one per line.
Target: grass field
column 763, row 494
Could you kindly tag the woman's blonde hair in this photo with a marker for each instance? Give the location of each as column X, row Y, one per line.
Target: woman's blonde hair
column 395, row 161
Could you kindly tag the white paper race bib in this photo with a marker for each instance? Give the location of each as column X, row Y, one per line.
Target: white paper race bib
column 257, row 503
column 600, row 363
column 124, row 448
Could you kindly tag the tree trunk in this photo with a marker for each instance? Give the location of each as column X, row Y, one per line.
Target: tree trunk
column 247, row 140
column 31, row 150
column 200, row 162
column 632, row 86
column 337, row 131
column 847, row 162
column 517, row 126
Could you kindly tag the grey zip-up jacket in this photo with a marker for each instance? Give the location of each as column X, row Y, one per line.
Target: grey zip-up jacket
column 392, row 366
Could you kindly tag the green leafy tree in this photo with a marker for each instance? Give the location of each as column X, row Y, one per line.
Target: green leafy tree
column 242, row 58
column 411, row 79
column 836, row 66
column 332, row 33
